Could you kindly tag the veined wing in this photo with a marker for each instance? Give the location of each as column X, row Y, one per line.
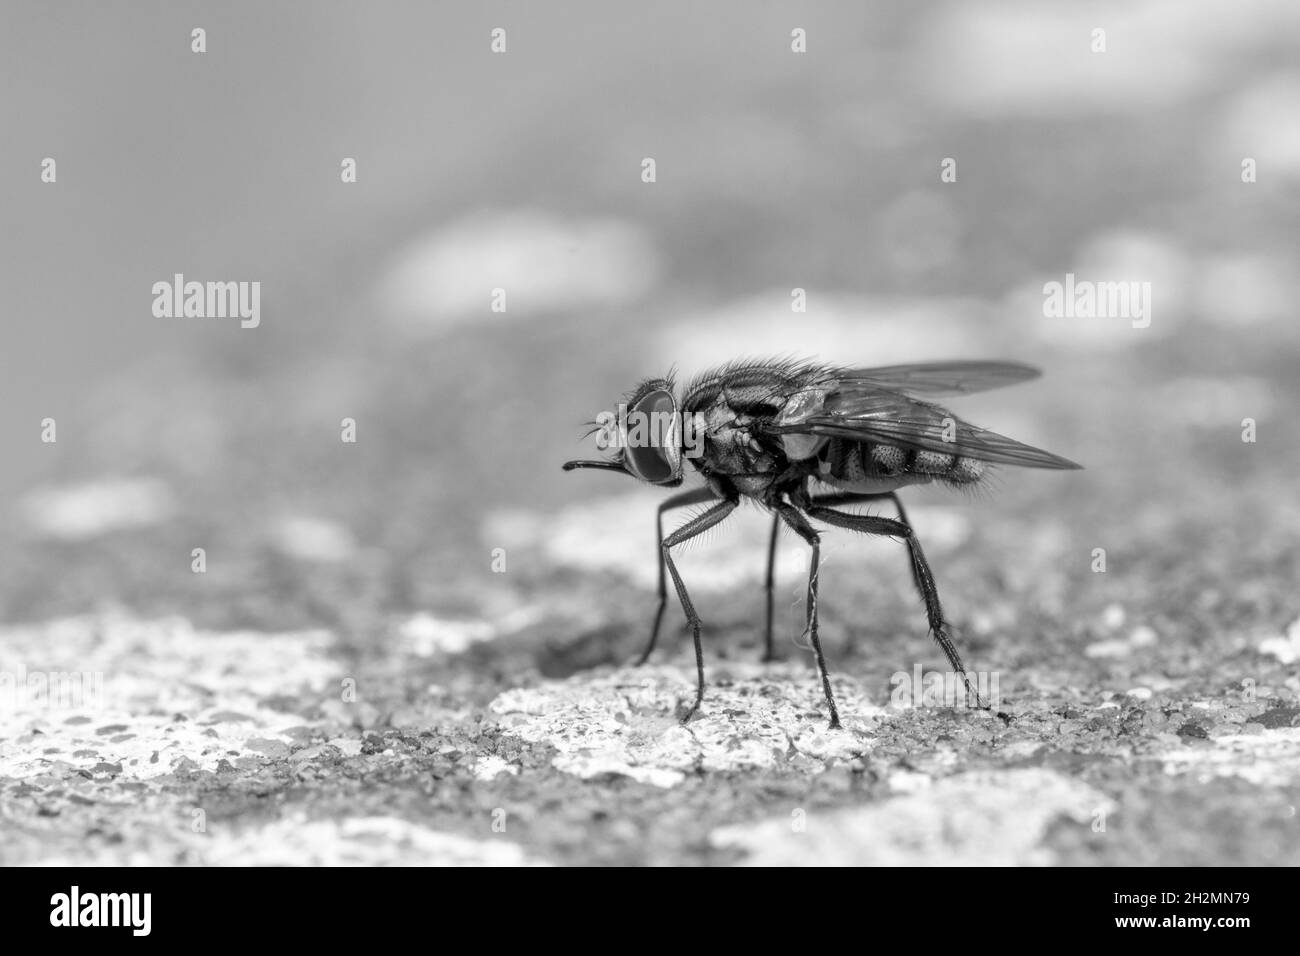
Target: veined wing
column 943, row 378
column 858, row 411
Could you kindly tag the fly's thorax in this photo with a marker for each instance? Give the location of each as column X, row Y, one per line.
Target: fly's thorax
column 753, row 486
column 732, row 445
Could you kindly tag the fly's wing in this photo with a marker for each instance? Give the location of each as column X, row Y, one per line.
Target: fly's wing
column 862, row 412
column 943, row 378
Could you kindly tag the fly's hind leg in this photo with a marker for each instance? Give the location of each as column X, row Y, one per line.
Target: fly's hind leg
column 693, row 497
column 696, row 526
column 924, row 579
column 921, row 574
column 851, row 497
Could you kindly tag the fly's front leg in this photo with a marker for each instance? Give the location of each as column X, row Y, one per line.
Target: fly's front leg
column 801, row 527
column 921, row 574
column 693, row 497
column 696, row 526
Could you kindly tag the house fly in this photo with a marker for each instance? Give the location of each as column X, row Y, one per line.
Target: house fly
column 802, row 440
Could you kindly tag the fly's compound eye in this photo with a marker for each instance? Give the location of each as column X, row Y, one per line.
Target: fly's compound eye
column 653, row 449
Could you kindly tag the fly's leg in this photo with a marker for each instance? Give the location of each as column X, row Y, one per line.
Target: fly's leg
column 696, row 526
column 924, row 579
column 852, row 497
column 801, row 527
column 921, row 574
column 692, row 497
column 771, row 578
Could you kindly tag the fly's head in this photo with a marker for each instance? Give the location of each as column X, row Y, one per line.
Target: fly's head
column 644, row 436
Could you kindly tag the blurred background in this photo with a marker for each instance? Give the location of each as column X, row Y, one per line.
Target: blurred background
column 522, row 170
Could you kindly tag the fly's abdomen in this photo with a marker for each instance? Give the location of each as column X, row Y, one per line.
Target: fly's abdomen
column 866, row 466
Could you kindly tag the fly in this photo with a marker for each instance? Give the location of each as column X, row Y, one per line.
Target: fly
column 802, row 440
